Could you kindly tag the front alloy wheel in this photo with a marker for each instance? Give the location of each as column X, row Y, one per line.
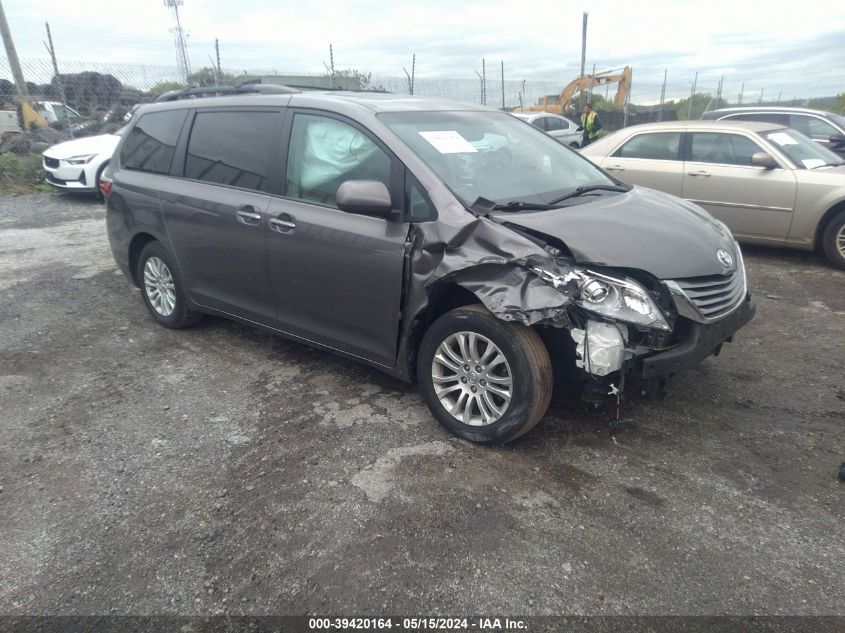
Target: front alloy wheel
column 472, row 378
column 484, row 379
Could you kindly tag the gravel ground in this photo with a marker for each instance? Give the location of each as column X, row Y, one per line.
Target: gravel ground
column 224, row 470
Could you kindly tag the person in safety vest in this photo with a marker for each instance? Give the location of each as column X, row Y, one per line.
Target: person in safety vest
column 590, row 125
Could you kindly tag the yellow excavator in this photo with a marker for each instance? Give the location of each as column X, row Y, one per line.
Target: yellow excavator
column 584, row 83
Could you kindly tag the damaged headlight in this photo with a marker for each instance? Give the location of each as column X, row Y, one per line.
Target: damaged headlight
column 621, row 299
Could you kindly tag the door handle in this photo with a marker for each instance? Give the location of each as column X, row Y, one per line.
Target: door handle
column 282, row 224
column 700, row 172
column 248, row 216
column 615, row 168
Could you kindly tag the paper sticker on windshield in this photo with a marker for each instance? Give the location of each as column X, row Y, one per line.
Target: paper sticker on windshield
column 448, row 142
column 812, row 163
column 782, row 138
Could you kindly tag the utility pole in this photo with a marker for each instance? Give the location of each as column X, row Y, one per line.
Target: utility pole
column 217, row 55
column 483, row 82
column 590, row 97
column 411, row 76
column 741, row 90
column 503, row 85
column 331, row 65
column 11, row 53
column 179, row 39
column 691, row 95
column 719, row 91
column 662, row 95
column 59, row 82
column 761, row 97
column 583, row 59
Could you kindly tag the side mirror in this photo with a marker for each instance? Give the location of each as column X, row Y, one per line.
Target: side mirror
column 762, row 159
column 365, row 197
column 837, row 139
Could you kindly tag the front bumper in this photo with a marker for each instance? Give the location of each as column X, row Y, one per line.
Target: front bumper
column 703, row 341
column 69, row 177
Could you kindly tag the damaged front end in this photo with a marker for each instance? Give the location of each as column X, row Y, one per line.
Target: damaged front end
column 604, row 328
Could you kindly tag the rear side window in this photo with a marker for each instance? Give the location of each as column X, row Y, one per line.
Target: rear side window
column 654, row 146
column 811, row 126
column 540, row 123
column 231, row 148
column 765, row 117
column 325, row 152
column 553, row 124
column 724, row 149
column 151, row 142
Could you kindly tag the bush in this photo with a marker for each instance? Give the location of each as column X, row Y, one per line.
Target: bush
column 21, row 174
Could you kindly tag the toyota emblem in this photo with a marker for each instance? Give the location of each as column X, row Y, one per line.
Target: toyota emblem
column 724, row 257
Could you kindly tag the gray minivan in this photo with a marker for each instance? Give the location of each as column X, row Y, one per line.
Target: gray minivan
column 439, row 242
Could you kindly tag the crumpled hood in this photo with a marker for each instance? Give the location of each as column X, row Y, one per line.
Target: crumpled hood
column 643, row 229
column 100, row 144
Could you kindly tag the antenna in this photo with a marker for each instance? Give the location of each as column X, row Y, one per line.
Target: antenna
column 182, row 60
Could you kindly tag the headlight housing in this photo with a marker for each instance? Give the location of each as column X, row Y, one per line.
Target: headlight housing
column 80, row 160
column 622, row 299
column 619, row 299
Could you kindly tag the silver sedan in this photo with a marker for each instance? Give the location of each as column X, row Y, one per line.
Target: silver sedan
column 769, row 184
column 558, row 127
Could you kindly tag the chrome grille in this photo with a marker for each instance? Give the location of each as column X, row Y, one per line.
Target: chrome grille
column 51, row 162
column 715, row 295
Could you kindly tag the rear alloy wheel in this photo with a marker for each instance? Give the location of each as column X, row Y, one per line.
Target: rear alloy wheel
column 485, row 380
column 833, row 240
column 162, row 288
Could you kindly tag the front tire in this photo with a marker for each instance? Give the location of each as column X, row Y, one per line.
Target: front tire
column 162, row 288
column 485, row 380
column 833, row 240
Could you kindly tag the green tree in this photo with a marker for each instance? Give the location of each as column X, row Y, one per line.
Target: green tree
column 351, row 79
column 205, row 77
column 166, row 86
column 839, row 104
column 700, row 103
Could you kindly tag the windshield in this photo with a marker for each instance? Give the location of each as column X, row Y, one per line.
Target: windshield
column 493, row 155
column 804, row 152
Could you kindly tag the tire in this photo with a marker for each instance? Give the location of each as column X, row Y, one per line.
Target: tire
column 162, row 288
column 833, row 240
column 526, row 362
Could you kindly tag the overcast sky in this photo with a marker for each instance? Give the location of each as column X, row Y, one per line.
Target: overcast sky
column 796, row 48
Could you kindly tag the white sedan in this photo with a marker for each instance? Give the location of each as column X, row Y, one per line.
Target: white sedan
column 559, row 127
column 77, row 165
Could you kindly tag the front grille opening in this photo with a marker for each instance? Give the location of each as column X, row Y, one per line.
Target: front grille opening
column 714, row 295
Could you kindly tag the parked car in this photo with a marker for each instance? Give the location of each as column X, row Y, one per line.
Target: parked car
column 825, row 128
column 447, row 244
column 770, row 184
column 77, row 165
column 556, row 126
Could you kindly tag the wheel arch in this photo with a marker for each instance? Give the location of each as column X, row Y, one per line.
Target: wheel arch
column 136, row 245
column 831, row 213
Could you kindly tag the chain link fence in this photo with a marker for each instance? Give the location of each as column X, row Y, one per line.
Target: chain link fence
column 99, row 94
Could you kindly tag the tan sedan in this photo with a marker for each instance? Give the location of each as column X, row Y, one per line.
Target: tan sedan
column 769, row 184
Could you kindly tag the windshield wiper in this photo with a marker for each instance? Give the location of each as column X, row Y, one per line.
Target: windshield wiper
column 522, row 205
column 580, row 191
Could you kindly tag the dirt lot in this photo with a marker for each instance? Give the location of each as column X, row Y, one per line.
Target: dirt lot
column 223, row 470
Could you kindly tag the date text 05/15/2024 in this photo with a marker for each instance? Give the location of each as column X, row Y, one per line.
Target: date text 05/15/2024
column 417, row 624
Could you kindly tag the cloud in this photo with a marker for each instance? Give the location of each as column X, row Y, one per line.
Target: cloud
column 797, row 51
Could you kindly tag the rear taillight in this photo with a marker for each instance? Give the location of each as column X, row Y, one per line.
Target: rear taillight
column 105, row 186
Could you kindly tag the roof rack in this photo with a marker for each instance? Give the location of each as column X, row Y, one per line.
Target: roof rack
column 217, row 91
